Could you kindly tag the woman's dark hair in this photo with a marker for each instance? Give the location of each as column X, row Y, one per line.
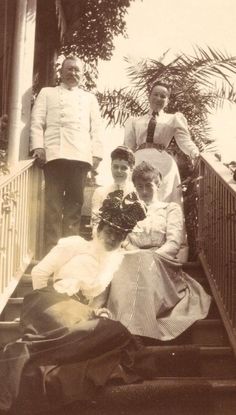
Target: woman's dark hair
column 160, row 83
column 123, row 153
column 145, row 169
column 120, row 233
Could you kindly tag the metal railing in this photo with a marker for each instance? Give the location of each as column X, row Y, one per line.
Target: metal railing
column 217, row 237
column 20, row 227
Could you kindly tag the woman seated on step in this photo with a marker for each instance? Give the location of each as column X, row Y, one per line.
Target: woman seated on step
column 68, row 347
column 150, row 294
column 87, row 267
column 122, row 163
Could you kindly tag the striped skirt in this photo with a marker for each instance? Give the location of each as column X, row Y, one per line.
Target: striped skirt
column 152, row 297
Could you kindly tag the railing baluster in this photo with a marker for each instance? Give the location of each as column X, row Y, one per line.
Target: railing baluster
column 20, row 205
column 217, row 233
column 233, row 264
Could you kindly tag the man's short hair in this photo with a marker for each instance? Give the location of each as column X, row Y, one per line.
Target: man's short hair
column 145, row 169
column 72, row 58
column 123, row 153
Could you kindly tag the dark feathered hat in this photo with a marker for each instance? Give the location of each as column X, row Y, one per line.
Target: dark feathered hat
column 122, row 212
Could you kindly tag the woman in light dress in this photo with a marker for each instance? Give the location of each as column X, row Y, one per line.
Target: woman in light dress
column 122, row 163
column 150, row 294
column 167, row 127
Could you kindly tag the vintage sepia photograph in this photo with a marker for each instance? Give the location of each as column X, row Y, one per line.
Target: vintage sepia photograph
column 117, row 207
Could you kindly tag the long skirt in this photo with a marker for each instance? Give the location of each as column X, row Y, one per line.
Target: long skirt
column 152, row 297
column 64, row 354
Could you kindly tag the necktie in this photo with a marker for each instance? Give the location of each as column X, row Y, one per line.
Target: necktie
column 151, row 127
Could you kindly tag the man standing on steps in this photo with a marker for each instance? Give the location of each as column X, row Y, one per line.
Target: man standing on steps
column 66, row 142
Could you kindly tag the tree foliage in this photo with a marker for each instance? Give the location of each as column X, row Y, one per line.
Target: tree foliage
column 92, row 30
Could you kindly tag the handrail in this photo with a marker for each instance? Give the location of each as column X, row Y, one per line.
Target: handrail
column 20, row 212
column 14, row 170
column 216, row 237
column 222, row 172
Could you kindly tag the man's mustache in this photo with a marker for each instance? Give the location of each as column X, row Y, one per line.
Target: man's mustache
column 73, row 76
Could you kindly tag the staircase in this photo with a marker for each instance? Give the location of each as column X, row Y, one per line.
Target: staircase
column 194, row 374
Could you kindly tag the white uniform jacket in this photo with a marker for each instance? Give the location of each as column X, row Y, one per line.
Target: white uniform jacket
column 67, row 123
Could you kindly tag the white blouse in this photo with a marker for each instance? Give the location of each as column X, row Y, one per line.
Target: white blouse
column 77, row 264
column 162, row 228
column 167, row 127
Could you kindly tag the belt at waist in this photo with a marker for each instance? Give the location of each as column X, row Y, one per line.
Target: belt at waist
column 159, row 147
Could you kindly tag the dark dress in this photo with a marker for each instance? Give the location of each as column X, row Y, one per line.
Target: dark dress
column 55, row 363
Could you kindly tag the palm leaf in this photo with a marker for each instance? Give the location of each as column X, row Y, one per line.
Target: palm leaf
column 200, row 82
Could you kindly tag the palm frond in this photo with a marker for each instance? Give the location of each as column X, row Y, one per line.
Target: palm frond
column 117, row 105
column 200, row 82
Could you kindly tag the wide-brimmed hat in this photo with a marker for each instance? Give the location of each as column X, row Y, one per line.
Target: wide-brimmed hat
column 122, row 213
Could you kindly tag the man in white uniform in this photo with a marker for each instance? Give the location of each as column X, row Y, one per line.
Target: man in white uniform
column 66, row 142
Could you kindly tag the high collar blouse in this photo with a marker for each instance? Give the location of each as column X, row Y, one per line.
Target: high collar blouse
column 162, row 228
column 167, row 127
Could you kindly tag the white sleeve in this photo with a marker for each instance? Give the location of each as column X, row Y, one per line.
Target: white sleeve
column 182, row 136
column 58, row 256
column 174, row 231
column 38, row 121
column 129, row 134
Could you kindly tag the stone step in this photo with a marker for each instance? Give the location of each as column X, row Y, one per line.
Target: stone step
column 26, row 279
column 213, row 312
column 12, row 309
column 186, row 360
column 163, row 396
column 24, row 286
column 9, row 332
column 208, row 332
column 171, row 360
